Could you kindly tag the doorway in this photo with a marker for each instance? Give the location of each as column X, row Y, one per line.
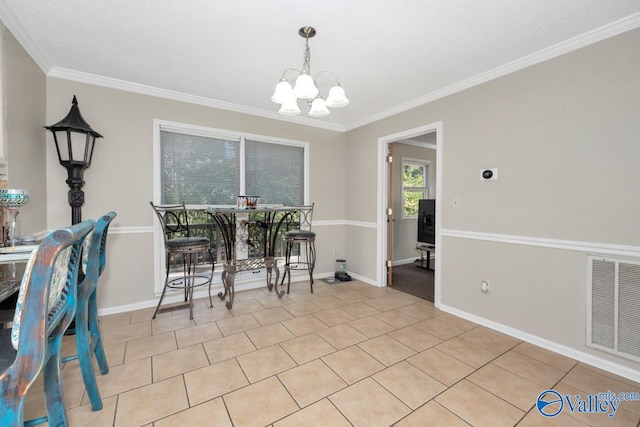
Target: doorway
column 427, row 137
column 412, row 180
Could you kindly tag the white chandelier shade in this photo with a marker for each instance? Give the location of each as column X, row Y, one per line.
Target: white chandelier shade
column 283, row 92
column 306, row 87
column 319, row 108
column 337, row 98
column 290, row 107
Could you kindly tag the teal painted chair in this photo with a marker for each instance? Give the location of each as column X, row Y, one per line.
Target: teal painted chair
column 45, row 308
column 87, row 330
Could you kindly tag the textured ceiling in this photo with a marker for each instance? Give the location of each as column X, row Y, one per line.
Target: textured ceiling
column 388, row 55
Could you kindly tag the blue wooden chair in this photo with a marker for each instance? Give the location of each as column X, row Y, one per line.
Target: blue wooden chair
column 45, row 308
column 88, row 337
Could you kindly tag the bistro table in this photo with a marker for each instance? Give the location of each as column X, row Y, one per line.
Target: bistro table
column 12, row 265
column 10, row 278
column 258, row 230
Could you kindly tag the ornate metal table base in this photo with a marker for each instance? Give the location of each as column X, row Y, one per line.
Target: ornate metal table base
column 260, row 232
column 233, row 267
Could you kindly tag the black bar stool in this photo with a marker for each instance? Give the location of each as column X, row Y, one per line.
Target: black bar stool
column 305, row 239
column 177, row 241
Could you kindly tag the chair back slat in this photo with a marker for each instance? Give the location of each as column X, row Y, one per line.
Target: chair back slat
column 302, row 218
column 102, row 227
column 174, row 219
column 94, row 254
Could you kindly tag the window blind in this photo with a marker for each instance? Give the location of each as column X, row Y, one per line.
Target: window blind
column 275, row 172
column 199, row 170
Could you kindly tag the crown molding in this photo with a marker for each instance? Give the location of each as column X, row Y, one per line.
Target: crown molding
column 111, row 83
column 601, row 33
column 591, row 37
column 12, row 22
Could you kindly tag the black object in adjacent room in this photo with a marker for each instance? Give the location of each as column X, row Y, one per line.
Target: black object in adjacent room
column 427, row 221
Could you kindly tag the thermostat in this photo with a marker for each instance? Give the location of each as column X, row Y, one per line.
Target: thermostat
column 488, row 174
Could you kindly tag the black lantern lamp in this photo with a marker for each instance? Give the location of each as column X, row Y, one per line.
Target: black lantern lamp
column 74, row 140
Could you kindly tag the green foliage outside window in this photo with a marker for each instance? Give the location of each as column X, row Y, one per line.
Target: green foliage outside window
column 414, row 187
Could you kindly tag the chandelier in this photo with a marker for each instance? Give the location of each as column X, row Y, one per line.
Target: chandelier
column 306, row 87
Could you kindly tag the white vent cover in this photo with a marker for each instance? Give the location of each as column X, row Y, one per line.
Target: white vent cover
column 613, row 311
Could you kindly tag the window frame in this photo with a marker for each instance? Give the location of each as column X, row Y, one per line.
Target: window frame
column 3, row 106
column 204, row 131
column 209, row 132
column 425, row 189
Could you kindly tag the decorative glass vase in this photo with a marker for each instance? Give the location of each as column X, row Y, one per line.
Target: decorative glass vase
column 13, row 199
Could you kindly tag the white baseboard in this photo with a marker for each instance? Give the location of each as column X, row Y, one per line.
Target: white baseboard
column 178, row 295
column 578, row 355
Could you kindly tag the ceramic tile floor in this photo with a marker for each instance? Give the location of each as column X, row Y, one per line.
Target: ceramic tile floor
column 349, row 355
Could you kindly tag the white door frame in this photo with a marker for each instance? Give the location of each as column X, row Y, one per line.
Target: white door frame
column 383, row 143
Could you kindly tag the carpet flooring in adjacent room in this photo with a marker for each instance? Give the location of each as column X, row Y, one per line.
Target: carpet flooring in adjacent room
column 414, row 280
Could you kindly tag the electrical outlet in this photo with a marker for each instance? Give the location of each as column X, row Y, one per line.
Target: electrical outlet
column 484, row 286
column 335, row 251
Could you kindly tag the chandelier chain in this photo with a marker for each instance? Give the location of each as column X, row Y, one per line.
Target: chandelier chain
column 306, row 66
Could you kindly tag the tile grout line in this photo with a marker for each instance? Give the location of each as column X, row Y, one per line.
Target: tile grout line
column 335, row 350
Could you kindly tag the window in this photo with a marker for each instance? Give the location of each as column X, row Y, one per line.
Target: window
column 198, row 170
column 202, row 166
column 414, row 186
column 3, row 109
column 275, row 172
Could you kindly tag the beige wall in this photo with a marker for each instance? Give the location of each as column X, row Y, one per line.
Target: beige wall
column 120, row 177
column 24, row 91
column 564, row 137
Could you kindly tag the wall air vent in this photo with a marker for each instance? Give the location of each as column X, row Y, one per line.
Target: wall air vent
column 613, row 310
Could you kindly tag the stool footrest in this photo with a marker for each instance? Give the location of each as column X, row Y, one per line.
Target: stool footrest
column 171, row 284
